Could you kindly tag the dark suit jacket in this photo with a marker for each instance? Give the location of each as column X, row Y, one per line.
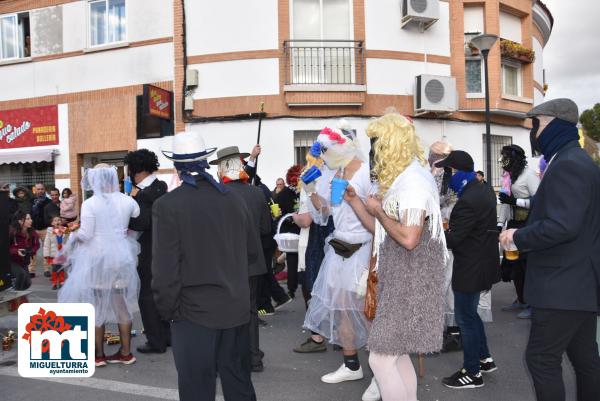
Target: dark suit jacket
column 261, row 221
column 562, row 236
column 145, row 199
column 50, row 211
column 473, row 238
column 202, row 246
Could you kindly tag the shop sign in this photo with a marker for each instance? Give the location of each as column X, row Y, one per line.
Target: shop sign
column 36, row 126
column 158, row 102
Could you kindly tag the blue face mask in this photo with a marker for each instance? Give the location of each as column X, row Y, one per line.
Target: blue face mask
column 460, row 179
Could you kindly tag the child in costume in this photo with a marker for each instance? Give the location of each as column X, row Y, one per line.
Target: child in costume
column 56, row 238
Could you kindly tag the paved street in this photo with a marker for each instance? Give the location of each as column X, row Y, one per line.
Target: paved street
column 288, row 376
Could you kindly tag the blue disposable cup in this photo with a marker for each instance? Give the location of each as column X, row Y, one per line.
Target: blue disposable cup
column 311, row 174
column 127, row 185
column 338, row 188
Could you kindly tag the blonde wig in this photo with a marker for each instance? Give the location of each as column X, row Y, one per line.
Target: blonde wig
column 310, row 161
column 396, row 147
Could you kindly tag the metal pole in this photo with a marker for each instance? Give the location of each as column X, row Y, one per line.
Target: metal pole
column 488, row 136
column 260, row 116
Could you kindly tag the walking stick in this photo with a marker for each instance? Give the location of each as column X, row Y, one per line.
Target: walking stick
column 260, row 116
column 421, row 360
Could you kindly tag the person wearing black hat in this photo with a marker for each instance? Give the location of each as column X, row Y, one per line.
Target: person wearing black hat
column 519, row 185
column 231, row 172
column 142, row 165
column 203, row 243
column 561, row 241
column 473, row 238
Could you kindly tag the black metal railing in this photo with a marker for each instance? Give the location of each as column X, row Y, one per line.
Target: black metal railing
column 324, row 62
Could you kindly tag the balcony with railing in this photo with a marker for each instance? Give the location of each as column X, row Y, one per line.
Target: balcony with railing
column 330, row 72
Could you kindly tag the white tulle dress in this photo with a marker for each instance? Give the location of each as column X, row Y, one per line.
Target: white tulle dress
column 336, row 309
column 102, row 256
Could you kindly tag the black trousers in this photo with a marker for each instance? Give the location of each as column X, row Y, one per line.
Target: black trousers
column 158, row 332
column 200, row 353
column 256, row 354
column 554, row 332
column 268, row 286
column 291, row 259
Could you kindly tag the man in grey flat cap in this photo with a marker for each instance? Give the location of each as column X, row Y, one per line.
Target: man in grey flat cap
column 562, row 243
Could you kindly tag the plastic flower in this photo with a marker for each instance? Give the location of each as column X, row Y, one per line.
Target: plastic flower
column 315, row 149
column 333, row 136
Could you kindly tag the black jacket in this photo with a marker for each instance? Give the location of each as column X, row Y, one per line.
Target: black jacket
column 202, row 246
column 261, row 221
column 473, row 238
column 287, row 199
column 37, row 212
column 562, row 236
column 50, row 211
column 145, row 199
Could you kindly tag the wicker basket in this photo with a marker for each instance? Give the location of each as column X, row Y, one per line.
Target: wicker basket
column 286, row 242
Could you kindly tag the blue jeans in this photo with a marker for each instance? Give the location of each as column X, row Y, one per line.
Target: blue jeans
column 471, row 330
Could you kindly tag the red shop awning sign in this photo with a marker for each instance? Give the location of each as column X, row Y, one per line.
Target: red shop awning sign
column 36, row 126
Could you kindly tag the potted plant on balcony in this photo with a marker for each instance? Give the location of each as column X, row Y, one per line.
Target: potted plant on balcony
column 516, row 51
column 471, row 49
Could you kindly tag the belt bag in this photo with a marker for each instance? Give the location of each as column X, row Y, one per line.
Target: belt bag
column 343, row 248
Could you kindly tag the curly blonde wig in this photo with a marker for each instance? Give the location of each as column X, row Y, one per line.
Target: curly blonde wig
column 396, row 147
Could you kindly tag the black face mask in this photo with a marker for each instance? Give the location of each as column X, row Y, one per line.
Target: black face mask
column 446, row 180
column 535, row 146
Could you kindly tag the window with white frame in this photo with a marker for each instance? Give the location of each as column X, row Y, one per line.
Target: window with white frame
column 107, row 22
column 511, row 78
column 303, row 140
column 318, row 58
column 473, row 75
column 15, row 37
column 473, row 66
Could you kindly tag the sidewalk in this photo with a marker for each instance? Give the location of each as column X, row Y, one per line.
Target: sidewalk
column 289, row 376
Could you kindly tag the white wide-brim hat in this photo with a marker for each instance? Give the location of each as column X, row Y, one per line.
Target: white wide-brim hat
column 188, row 147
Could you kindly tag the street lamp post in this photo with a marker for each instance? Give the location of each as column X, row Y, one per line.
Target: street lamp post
column 484, row 43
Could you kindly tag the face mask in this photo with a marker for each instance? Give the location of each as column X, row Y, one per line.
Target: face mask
column 535, row 146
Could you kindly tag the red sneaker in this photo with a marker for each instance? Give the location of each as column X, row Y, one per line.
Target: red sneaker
column 100, row 361
column 120, row 358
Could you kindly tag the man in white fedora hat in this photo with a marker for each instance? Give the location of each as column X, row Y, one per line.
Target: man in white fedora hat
column 203, row 245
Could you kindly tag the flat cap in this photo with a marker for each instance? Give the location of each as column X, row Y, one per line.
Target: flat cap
column 565, row 109
column 457, row 159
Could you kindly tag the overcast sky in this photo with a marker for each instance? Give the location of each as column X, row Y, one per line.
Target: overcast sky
column 572, row 55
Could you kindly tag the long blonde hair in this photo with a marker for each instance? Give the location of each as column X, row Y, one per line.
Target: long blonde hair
column 396, row 147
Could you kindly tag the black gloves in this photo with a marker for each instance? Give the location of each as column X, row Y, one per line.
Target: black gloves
column 507, row 199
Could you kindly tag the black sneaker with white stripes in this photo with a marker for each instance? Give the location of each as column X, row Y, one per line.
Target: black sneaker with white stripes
column 462, row 379
column 487, row 365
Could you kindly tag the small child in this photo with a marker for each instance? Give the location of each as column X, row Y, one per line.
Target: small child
column 55, row 239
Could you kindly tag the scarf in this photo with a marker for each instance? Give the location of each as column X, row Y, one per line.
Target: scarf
column 187, row 171
column 556, row 135
column 460, row 179
column 506, row 183
column 413, row 192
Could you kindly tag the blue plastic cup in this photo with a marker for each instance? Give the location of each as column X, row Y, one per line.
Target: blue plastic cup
column 127, row 185
column 311, row 174
column 338, row 188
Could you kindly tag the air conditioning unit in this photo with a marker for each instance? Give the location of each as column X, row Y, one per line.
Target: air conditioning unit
column 435, row 93
column 423, row 12
column 191, row 79
column 188, row 103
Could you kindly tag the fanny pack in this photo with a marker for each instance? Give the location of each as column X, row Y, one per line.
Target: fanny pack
column 343, row 248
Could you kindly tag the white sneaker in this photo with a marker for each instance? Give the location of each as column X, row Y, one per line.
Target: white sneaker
column 372, row 392
column 342, row 374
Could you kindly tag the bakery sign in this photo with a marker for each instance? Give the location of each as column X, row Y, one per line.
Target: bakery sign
column 36, row 126
column 158, row 102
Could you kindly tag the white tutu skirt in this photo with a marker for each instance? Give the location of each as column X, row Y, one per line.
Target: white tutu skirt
column 336, row 309
column 103, row 272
